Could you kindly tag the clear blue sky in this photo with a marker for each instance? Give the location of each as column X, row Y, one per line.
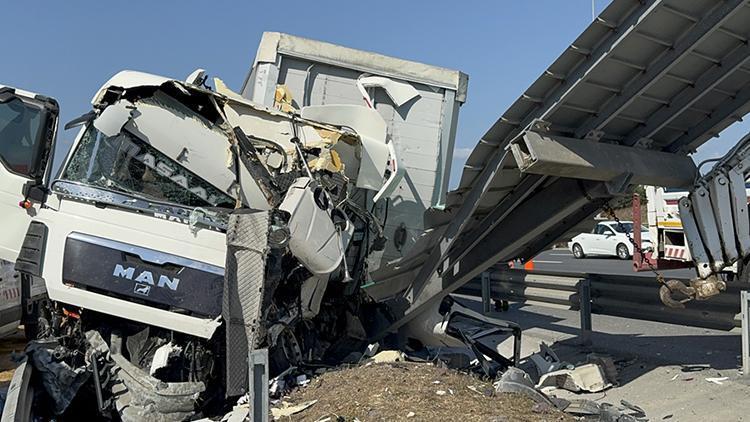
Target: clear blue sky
column 67, row 49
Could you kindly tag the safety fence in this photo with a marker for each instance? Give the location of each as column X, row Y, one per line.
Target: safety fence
column 631, row 296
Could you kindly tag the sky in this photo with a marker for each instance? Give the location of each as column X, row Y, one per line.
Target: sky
column 67, row 50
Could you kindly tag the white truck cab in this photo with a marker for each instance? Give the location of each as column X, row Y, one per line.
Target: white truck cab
column 142, row 240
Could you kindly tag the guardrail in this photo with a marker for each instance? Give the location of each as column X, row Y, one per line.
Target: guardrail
column 618, row 295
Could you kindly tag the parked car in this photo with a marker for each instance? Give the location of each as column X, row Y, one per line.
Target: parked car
column 608, row 238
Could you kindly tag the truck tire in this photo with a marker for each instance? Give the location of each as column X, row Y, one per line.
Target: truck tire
column 578, row 251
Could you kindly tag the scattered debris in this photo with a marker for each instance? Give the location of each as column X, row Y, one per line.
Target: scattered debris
column 162, row 355
column 371, row 350
column 606, row 412
column 546, row 361
column 517, row 381
column 717, row 380
column 607, row 364
column 288, row 409
column 589, row 377
column 389, row 356
column 392, row 391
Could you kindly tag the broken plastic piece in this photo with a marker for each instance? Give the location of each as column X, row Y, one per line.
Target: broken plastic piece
column 546, row 360
column 589, row 377
column 517, row 381
column 287, row 409
column 370, row 127
column 314, row 239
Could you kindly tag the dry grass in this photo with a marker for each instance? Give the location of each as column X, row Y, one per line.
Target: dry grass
column 409, row 391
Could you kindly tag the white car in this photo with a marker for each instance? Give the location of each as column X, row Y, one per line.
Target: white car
column 608, row 238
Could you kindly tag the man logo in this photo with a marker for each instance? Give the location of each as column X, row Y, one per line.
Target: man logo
column 142, row 289
column 146, row 277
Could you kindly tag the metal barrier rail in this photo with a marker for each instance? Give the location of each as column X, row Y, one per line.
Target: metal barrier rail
column 618, row 295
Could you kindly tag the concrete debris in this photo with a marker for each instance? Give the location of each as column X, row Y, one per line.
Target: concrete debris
column 589, row 378
column 410, row 415
column 287, row 409
column 440, row 392
column 389, row 356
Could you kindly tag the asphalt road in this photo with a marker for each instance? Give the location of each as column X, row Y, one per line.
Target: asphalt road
column 663, row 368
column 562, row 260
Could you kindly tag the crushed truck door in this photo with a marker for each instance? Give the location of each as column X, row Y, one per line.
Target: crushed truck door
column 28, row 124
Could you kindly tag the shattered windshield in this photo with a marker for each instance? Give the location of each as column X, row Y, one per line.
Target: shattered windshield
column 125, row 164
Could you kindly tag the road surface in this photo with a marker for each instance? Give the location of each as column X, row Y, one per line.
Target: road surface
column 562, row 260
column 664, row 368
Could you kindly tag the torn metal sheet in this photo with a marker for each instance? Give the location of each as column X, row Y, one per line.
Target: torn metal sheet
column 370, row 127
column 129, row 79
column 113, row 118
column 311, row 294
column 193, row 142
column 399, row 92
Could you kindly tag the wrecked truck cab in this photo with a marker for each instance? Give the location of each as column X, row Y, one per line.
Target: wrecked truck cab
column 190, row 225
column 134, row 247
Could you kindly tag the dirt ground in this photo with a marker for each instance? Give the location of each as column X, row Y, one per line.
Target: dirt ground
column 411, row 392
column 8, row 347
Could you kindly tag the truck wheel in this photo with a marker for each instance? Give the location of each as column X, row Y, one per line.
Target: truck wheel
column 622, row 251
column 578, row 251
